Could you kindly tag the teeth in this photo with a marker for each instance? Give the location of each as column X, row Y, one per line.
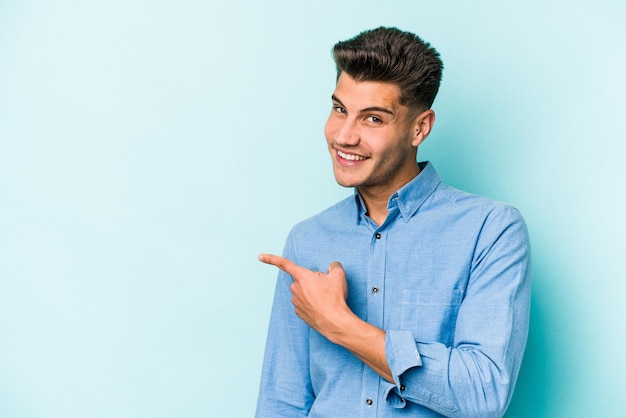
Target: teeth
column 350, row 157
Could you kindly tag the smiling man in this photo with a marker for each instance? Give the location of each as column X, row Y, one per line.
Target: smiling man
column 409, row 298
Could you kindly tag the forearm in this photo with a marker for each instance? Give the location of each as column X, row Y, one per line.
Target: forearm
column 462, row 381
column 364, row 340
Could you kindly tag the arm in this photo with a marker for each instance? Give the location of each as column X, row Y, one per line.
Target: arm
column 320, row 300
column 475, row 376
column 285, row 389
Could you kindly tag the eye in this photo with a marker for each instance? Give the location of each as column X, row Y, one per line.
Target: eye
column 374, row 119
column 339, row 109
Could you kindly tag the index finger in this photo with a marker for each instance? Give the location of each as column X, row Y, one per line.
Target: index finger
column 282, row 263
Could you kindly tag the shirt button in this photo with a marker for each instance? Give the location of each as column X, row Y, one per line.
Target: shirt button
column 369, row 402
column 402, row 387
column 374, row 290
column 378, row 235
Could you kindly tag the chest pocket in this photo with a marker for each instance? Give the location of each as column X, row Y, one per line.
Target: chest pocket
column 431, row 315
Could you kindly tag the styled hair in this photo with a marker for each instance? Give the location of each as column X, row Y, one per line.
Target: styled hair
column 391, row 55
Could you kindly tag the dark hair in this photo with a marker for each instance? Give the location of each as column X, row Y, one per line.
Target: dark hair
column 391, row 55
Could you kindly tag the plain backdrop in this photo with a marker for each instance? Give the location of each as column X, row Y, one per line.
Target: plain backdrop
column 149, row 150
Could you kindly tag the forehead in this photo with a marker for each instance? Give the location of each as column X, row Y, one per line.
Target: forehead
column 364, row 94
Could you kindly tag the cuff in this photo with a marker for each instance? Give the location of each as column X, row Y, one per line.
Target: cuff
column 402, row 355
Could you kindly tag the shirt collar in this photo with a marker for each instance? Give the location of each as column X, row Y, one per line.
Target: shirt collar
column 410, row 197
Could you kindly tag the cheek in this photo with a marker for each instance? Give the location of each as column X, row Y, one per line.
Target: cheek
column 390, row 151
column 327, row 132
column 330, row 129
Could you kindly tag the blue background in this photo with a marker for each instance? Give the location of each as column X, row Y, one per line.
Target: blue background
column 150, row 149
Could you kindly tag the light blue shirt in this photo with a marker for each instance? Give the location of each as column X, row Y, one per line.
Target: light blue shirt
column 447, row 276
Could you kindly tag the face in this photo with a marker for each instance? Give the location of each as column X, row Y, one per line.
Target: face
column 372, row 138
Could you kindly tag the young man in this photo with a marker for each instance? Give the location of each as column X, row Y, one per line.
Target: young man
column 409, row 298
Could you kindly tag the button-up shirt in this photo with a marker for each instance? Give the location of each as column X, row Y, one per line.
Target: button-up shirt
column 446, row 276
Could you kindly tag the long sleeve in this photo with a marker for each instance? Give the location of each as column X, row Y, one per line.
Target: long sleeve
column 285, row 389
column 475, row 376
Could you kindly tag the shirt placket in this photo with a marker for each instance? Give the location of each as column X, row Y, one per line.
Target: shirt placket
column 375, row 312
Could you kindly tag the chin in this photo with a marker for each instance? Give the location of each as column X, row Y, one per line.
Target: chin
column 346, row 182
column 347, row 178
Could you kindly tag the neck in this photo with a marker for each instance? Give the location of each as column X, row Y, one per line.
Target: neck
column 377, row 197
column 376, row 206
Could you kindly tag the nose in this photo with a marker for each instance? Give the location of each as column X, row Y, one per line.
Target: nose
column 346, row 133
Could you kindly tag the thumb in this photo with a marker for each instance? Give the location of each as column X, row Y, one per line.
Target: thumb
column 336, row 268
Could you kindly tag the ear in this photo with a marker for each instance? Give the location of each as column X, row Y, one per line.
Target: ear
column 422, row 126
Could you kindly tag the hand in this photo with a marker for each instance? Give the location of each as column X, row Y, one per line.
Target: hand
column 318, row 298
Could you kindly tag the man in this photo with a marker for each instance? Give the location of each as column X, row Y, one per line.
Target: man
column 409, row 298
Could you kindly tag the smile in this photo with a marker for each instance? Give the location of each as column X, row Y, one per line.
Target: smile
column 350, row 157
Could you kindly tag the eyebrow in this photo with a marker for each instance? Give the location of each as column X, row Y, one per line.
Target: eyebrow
column 367, row 109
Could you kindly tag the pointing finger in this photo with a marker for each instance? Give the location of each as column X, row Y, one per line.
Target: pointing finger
column 282, row 263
